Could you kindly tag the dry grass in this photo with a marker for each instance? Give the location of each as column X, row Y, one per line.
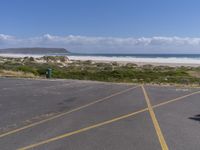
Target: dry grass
column 20, row 74
column 194, row 74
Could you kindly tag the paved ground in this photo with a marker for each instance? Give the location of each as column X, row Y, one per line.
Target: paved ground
column 84, row 115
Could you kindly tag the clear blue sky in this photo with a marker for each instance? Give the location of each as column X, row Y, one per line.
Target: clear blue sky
column 116, row 18
column 134, row 26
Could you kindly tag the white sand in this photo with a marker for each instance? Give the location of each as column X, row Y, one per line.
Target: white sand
column 142, row 61
column 159, row 61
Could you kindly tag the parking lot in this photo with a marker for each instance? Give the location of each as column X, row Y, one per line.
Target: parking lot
column 86, row 115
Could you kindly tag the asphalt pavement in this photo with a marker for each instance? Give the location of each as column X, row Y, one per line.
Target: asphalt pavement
column 87, row 115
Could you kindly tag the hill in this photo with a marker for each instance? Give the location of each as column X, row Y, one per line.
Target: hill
column 34, row 50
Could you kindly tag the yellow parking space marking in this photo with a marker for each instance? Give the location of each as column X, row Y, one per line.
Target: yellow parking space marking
column 65, row 113
column 155, row 122
column 176, row 99
column 164, row 147
column 96, row 125
column 83, row 130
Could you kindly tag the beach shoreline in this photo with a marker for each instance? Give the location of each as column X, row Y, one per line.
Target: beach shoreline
column 171, row 62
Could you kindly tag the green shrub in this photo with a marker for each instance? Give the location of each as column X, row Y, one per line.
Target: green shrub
column 27, row 69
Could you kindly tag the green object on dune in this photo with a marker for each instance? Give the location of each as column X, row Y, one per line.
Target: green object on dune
column 48, row 73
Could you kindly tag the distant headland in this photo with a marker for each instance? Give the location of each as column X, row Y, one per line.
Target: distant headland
column 33, row 50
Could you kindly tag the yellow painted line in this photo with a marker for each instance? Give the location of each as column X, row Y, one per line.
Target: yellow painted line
column 108, row 122
column 176, row 99
column 65, row 113
column 155, row 122
column 82, row 130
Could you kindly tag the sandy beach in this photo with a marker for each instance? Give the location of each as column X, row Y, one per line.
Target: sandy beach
column 172, row 62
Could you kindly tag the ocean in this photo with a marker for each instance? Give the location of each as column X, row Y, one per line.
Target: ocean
column 139, row 58
column 143, row 58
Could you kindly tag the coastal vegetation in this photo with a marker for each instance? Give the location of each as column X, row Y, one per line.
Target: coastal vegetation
column 98, row 71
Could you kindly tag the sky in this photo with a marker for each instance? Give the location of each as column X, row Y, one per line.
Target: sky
column 102, row 26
